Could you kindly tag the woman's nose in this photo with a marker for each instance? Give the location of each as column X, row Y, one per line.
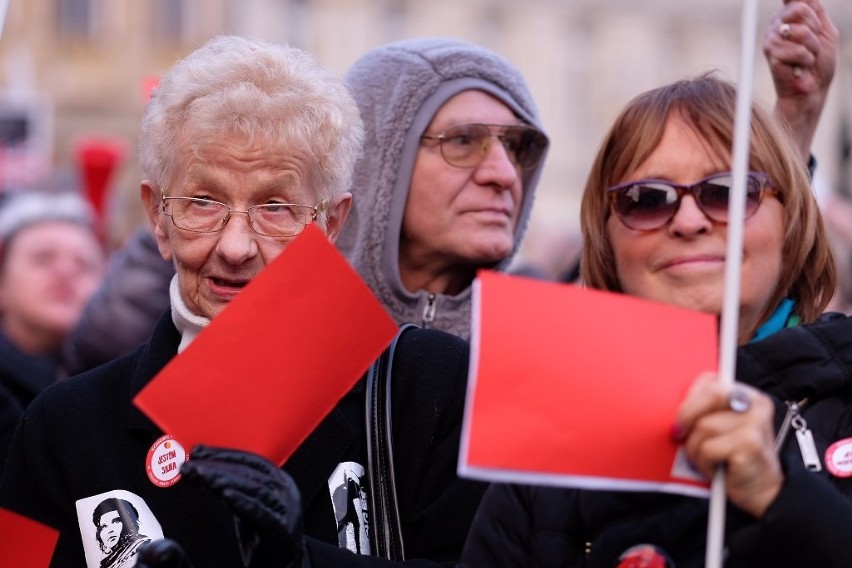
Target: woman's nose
column 237, row 239
column 689, row 219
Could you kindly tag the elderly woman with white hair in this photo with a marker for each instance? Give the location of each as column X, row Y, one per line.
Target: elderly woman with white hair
column 242, row 145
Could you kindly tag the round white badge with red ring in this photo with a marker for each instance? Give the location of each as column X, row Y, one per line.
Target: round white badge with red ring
column 838, row 458
column 164, row 460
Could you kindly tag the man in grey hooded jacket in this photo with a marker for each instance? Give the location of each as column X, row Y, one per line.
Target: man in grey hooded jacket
column 420, row 258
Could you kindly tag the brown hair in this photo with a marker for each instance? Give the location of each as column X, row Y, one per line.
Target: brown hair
column 708, row 105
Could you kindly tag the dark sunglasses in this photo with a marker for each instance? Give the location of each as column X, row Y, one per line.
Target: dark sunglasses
column 649, row 204
column 466, row 145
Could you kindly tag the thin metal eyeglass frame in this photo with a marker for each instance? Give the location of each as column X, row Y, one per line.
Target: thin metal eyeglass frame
column 315, row 211
column 442, row 136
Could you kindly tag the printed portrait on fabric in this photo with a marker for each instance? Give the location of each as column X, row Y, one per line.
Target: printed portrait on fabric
column 349, row 497
column 114, row 526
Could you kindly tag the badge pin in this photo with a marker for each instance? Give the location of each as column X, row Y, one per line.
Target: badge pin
column 164, row 460
column 644, row 556
column 838, row 458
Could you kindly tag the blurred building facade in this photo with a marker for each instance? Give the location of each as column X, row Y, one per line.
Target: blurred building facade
column 86, row 62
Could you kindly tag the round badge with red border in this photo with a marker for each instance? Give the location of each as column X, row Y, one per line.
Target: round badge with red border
column 164, row 460
column 838, row 458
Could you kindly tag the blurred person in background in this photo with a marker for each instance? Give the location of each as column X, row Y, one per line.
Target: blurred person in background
column 51, row 262
column 838, row 219
column 121, row 314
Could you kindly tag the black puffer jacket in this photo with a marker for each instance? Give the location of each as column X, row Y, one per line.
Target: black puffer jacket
column 809, row 524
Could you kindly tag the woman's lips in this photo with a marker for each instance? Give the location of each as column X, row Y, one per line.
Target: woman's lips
column 697, row 261
column 226, row 287
column 229, row 283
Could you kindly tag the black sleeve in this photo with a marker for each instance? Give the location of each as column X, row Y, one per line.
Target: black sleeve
column 500, row 532
column 808, row 524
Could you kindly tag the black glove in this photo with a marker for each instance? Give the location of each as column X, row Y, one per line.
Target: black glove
column 162, row 553
column 263, row 498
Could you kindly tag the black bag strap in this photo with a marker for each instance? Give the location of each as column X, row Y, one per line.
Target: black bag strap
column 385, row 524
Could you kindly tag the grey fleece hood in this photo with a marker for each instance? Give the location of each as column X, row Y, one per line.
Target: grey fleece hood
column 399, row 87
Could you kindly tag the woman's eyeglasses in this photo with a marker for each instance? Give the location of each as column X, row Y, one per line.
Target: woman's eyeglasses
column 649, row 204
column 270, row 219
column 466, row 145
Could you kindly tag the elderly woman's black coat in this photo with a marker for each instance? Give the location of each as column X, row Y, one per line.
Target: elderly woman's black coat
column 84, row 437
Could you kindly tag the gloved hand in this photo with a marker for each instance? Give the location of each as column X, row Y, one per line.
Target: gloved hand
column 263, row 498
column 162, row 553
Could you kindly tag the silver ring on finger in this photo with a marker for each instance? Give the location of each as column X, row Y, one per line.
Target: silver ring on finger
column 739, row 400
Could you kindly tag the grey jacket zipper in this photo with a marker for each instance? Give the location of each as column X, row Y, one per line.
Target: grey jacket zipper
column 429, row 310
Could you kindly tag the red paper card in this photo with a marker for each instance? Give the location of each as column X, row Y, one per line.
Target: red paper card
column 25, row 543
column 578, row 387
column 268, row 369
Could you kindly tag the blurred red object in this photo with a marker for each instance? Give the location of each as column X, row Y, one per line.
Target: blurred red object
column 149, row 83
column 25, row 543
column 98, row 159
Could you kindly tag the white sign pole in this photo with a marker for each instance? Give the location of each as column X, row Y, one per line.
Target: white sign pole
column 733, row 260
column 4, row 9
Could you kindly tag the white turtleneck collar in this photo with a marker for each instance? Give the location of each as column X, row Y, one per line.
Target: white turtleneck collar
column 187, row 323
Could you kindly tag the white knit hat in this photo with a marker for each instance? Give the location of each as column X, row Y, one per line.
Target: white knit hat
column 21, row 209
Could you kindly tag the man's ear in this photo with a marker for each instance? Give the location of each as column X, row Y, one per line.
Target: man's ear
column 336, row 215
column 151, row 198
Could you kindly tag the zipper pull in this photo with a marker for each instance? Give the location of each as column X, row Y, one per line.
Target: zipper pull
column 429, row 310
column 781, row 437
column 810, row 456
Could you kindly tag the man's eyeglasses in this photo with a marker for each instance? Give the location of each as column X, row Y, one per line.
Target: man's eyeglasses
column 199, row 215
column 466, row 145
column 649, row 204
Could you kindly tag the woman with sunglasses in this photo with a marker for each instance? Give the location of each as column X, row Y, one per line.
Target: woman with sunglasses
column 654, row 222
column 454, row 152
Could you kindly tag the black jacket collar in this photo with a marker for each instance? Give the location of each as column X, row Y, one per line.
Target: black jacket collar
column 805, row 361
